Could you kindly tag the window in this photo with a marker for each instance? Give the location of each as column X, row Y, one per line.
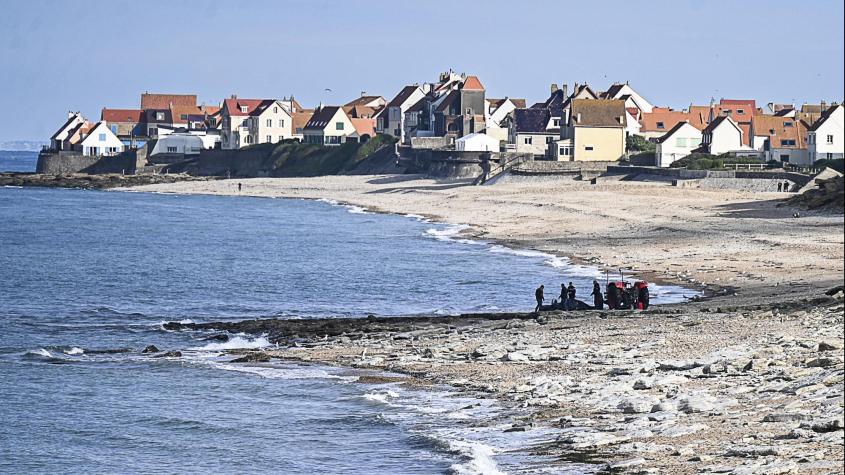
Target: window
column 244, row 109
column 281, row 122
column 528, row 140
column 159, row 115
column 281, row 137
column 275, row 110
column 740, row 111
column 829, row 139
column 680, row 142
column 588, row 148
column 784, row 158
column 269, row 139
column 114, row 129
column 550, row 139
column 727, row 112
column 468, row 111
column 171, row 149
column 555, row 122
column 788, row 124
column 771, row 131
column 299, row 130
column 153, row 131
column 269, row 122
column 338, row 126
column 661, row 125
column 102, row 138
column 212, row 121
column 184, row 116
column 829, row 156
column 787, row 142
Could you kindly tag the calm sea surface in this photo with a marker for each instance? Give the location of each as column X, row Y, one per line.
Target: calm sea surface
column 87, row 278
column 18, row 161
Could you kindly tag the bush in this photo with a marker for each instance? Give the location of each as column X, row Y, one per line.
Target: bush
column 637, row 143
column 837, row 164
column 291, row 158
column 705, row 161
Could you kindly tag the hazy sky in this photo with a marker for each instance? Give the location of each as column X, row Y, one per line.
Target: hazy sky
column 60, row 55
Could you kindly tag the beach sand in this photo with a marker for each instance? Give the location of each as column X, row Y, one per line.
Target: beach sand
column 715, row 238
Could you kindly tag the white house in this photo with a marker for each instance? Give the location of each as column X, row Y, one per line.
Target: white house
column 58, row 139
column 722, row 135
column 330, row 126
column 477, row 142
column 533, row 131
column 101, row 141
column 187, row 142
column 252, row 121
column 825, row 137
column 498, row 110
column 391, row 121
column 629, row 95
column 676, row 144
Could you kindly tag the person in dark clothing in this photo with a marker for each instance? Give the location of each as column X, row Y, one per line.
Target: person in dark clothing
column 571, row 294
column 564, row 296
column 239, row 187
column 598, row 301
column 643, row 296
column 780, row 187
column 539, row 295
column 612, row 296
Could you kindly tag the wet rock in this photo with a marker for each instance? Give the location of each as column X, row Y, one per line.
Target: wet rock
column 821, row 362
column 625, row 465
column 169, row 354
column 829, row 345
column 252, row 357
column 638, row 404
column 150, row 349
column 218, row 337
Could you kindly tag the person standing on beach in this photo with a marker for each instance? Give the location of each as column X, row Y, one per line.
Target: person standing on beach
column 239, row 187
column 571, row 291
column 539, row 295
column 564, row 296
column 598, row 301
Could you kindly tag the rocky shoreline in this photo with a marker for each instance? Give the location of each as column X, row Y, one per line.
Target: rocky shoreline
column 749, row 383
column 85, row 181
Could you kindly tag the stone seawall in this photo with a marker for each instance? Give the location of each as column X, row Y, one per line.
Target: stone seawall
column 62, row 163
column 763, row 181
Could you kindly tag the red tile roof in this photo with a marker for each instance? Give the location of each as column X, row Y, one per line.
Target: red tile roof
column 665, row 117
column 122, row 115
column 472, row 84
column 364, row 127
column 165, row 101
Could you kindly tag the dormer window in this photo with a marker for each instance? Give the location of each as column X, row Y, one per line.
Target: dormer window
column 661, row 125
column 244, row 109
column 788, row 124
column 468, row 111
column 159, row 115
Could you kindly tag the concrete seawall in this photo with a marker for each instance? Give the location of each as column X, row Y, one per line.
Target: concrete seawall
column 62, row 163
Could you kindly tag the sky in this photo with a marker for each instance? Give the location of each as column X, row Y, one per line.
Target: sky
column 57, row 56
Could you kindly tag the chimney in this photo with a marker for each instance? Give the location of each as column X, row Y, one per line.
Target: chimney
column 824, row 105
column 565, row 88
column 234, row 96
column 70, row 114
column 554, row 88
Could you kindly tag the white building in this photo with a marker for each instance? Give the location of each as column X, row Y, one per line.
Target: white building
column 825, row 138
column 477, row 142
column 391, row 121
column 722, row 135
column 629, row 95
column 101, row 141
column 252, row 121
column 330, row 126
column 58, row 139
column 187, row 142
column 676, row 144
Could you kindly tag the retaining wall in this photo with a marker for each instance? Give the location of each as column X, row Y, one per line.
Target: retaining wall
column 61, row 163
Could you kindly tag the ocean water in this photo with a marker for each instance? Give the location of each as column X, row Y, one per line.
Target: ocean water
column 11, row 161
column 89, row 276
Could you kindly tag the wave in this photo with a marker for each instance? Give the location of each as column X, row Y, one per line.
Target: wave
column 278, row 372
column 381, row 396
column 479, row 458
column 236, row 343
column 75, row 351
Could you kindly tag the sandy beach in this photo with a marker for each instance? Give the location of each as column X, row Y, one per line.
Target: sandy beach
column 749, row 380
column 706, row 238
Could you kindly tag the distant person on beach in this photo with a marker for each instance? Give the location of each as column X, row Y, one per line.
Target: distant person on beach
column 564, row 296
column 539, row 294
column 598, row 301
column 239, row 187
column 612, row 296
column 571, row 294
column 643, row 296
column 780, row 187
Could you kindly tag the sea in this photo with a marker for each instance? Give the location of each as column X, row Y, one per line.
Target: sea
column 87, row 278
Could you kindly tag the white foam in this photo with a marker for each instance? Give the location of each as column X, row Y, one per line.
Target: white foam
column 356, row 209
column 236, row 343
column 480, row 458
column 274, row 372
column 381, row 396
column 75, row 351
column 326, row 200
column 42, row 352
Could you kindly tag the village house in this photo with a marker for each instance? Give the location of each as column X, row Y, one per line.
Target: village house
column 166, row 101
column 126, row 124
column 532, row 131
column 722, row 135
column 677, row 143
column 330, row 126
column 299, row 119
column 627, row 94
column 477, row 142
column 58, row 141
column 741, row 111
column 781, row 139
column 252, row 121
column 100, row 141
column 826, row 139
column 185, row 142
column 392, row 118
column 497, row 114
column 595, row 131
column 463, row 110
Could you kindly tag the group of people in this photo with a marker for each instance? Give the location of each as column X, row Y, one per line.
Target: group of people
column 627, row 297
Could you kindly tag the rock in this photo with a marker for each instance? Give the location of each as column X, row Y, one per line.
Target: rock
column 151, row 349
column 821, row 362
column 638, row 404
column 680, row 430
column 693, row 404
column 516, row 357
column 678, row 365
column 664, row 406
column 218, row 337
column 543, row 320
column 643, row 384
column 829, row 345
column 783, row 417
column 252, row 357
column 624, row 465
column 752, row 451
column 169, row 354
column 823, row 426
